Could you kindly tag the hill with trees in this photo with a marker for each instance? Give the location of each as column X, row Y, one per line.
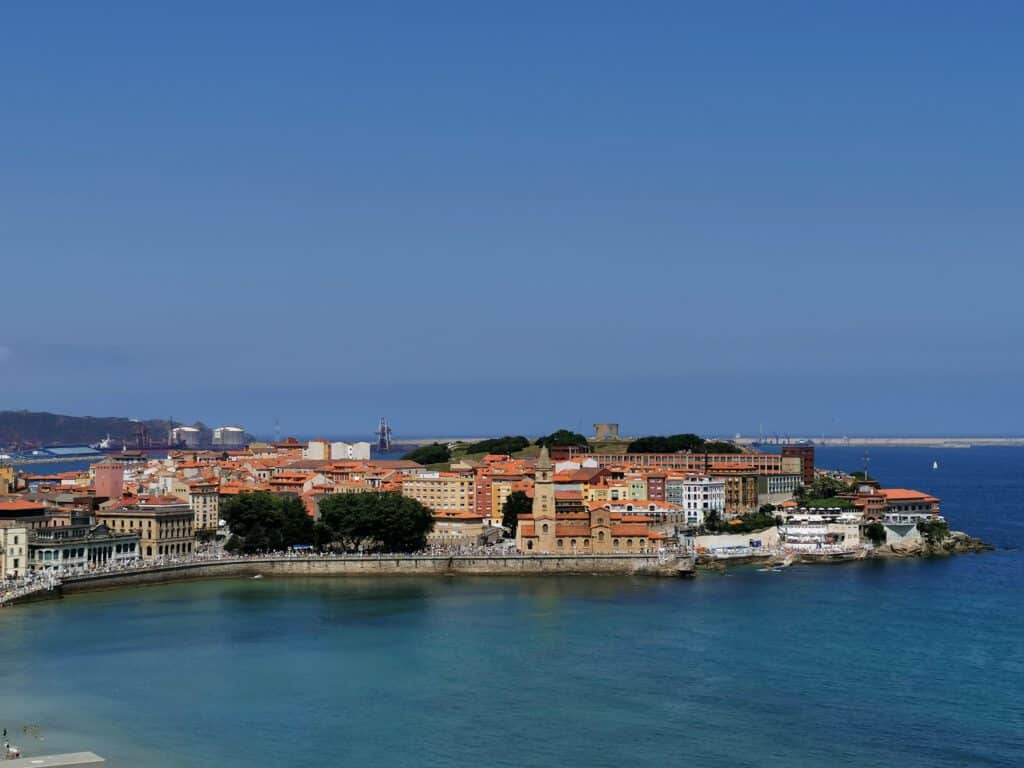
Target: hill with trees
column 31, row 429
column 563, row 437
column 435, row 453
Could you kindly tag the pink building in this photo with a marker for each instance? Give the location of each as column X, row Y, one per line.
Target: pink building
column 109, row 478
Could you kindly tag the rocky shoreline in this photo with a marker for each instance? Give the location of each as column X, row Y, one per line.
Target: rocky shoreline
column 954, row 543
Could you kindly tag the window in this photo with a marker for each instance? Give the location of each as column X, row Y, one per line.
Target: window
column 560, row 542
column 544, row 528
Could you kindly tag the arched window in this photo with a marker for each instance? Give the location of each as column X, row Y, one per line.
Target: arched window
column 629, row 542
column 615, row 543
column 544, row 528
column 572, row 543
column 529, row 545
column 149, row 551
column 560, row 542
column 600, row 535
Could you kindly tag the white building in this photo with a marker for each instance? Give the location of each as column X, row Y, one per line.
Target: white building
column 822, row 530
column 81, row 546
column 776, row 488
column 698, row 495
column 13, row 549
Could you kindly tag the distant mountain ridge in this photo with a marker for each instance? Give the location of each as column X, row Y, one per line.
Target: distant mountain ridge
column 31, row 429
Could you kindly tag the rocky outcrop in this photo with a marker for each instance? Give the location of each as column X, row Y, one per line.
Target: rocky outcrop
column 953, row 543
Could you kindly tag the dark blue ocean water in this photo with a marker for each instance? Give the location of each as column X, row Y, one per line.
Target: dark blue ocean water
column 911, row 663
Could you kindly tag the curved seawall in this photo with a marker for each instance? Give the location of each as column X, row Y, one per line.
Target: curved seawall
column 396, row 565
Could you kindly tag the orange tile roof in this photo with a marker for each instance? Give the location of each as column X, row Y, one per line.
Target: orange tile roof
column 630, row 530
column 19, row 506
column 903, row 494
column 456, row 514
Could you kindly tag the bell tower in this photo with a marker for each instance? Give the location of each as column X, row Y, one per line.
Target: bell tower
column 544, row 502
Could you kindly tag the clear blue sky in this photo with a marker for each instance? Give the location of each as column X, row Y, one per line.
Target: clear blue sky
column 485, row 217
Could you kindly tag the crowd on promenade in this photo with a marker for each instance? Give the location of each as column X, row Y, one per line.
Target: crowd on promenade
column 12, row 589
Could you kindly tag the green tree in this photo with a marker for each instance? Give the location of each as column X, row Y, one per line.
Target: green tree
column 388, row 522
column 823, row 487
column 669, row 444
column 435, row 453
column 507, row 444
column 563, row 437
column 875, row 533
column 934, row 531
column 517, row 503
column 265, row 521
column 721, row 446
column 322, row 535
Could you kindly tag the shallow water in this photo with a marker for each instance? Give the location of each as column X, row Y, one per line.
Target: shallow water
column 909, row 663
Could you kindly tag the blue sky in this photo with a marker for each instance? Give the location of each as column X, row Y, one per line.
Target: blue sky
column 489, row 217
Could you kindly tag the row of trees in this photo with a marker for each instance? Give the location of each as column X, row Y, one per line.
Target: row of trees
column 439, row 453
column 765, row 517
column 683, row 442
column 507, row 444
column 265, row 521
column 385, row 522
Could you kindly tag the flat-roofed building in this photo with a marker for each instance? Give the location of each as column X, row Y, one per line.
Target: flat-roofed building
column 698, row 495
column 203, row 498
column 164, row 525
column 740, row 494
column 13, row 549
column 806, row 455
column 80, row 546
column 449, row 491
column 760, row 463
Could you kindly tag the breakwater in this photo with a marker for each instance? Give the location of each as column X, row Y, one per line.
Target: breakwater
column 389, row 565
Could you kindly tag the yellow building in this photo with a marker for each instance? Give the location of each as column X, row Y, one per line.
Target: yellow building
column 449, row 491
column 6, row 478
column 203, row 498
column 164, row 525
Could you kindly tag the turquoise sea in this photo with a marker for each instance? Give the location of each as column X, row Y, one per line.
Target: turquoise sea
column 911, row 664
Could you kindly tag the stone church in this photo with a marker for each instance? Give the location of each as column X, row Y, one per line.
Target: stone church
column 595, row 531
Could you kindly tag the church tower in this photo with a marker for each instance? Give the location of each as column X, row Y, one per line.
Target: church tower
column 544, row 502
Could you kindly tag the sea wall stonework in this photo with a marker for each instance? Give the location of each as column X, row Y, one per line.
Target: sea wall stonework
column 373, row 566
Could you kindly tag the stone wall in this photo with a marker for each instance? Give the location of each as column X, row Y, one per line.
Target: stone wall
column 769, row 537
column 388, row 565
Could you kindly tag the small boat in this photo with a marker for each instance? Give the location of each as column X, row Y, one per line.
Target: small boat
column 935, row 465
column 257, row 576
